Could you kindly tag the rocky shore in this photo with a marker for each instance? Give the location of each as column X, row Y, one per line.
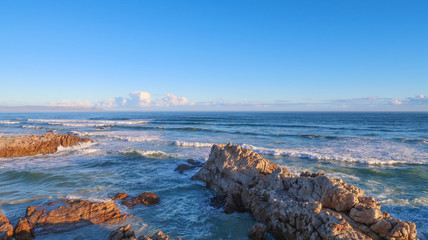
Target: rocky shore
column 309, row 206
column 30, row 145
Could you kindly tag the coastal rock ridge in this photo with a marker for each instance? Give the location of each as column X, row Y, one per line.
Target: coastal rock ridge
column 30, row 145
column 309, row 206
column 65, row 215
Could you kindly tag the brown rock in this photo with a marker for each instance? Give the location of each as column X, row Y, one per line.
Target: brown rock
column 19, row 146
column 257, row 232
column 146, row 198
column 122, row 233
column 66, row 215
column 119, row 196
column 6, row 229
column 310, row 206
column 23, row 230
column 159, row 235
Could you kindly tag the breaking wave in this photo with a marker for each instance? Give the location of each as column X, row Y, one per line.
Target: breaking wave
column 192, row 144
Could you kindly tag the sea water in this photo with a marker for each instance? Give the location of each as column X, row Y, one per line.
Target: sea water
column 385, row 154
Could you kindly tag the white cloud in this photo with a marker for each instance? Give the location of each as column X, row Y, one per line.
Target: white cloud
column 172, row 100
column 396, row 102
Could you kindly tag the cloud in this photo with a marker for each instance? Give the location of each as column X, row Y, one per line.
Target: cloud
column 141, row 99
column 172, row 100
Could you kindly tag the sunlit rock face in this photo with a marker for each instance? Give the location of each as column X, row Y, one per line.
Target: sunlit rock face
column 30, row 145
column 309, row 206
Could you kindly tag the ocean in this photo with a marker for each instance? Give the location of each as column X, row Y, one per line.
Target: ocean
column 385, row 154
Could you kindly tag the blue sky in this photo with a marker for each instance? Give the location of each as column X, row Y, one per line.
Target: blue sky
column 215, row 55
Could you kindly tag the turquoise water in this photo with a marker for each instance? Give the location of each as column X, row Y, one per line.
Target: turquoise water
column 385, row 154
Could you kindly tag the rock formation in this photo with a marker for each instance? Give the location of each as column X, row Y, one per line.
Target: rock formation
column 145, row 198
column 191, row 164
column 65, row 215
column 6, row 229
column 125, row 233
column 310, row 206
column 19, row 146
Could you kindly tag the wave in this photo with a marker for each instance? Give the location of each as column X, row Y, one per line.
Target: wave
column 348, row 152
column 120, row 135
column 9, row 122
column 21, row 201
column 32, row 127
column 412, row 140
column 88, row 123
column 192, row 144
column 81, row 148
column 149, row 154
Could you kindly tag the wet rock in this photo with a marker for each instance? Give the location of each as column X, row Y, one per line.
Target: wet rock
column 257, row 232
column 65, row 215
column 19, row 146
column 6, row 229
column 310, row 206
column 159, row 235
column 146, row 198
column 122, row 233
column 191, row 164
column 119, row 196
column 23, row 230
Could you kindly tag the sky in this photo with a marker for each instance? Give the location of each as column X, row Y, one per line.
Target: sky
column 353, row 55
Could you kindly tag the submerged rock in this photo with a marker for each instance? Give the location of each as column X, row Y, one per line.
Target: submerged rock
column 310, row 206
column 6, row 229
column 65, row 215
column 145, row 198
column 19, row 146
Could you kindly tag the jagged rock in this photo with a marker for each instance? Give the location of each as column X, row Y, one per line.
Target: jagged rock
column 145, row 198
column 310, row 206
column 65, row 215
column 122, row 233
column 119, row 196
column 6, row 229
column 191, row 165
column 159, row 235
column 257, row 232
column 19, row 146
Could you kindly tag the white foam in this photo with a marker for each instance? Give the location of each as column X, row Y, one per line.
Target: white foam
column 192, row 144
column 129, row 136
column 88, row 123
column 150, row 154
column 92, row 199
column 9, row 122
column 80, row 147
column 32, row 127
column 353, row 151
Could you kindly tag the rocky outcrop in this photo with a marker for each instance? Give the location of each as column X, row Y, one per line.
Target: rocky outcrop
column 191, row 164
column 19, row 146
column 257, row 232
column 125, row 233
column 145, row 198
column 65, row 215
column 6, row 229
column 310, row 206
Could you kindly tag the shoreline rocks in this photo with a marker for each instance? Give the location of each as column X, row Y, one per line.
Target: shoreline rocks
column 6, row 229
column 126, row 233
column 191, row 164
column 145, row 198
column 30, row 145
column 310, row 206
column 65, row 215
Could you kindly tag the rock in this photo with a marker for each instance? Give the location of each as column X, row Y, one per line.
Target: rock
column 119, row 196
column 257, row 232
column 19, row 146
column 309, row 206
column 6, row 229
column 146, row 198
column 66, row 215
column 159, row 235
column 191, row 165
column 122, row 233
column 23, row 230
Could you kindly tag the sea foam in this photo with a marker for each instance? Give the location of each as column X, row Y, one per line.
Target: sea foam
column 192, row 144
